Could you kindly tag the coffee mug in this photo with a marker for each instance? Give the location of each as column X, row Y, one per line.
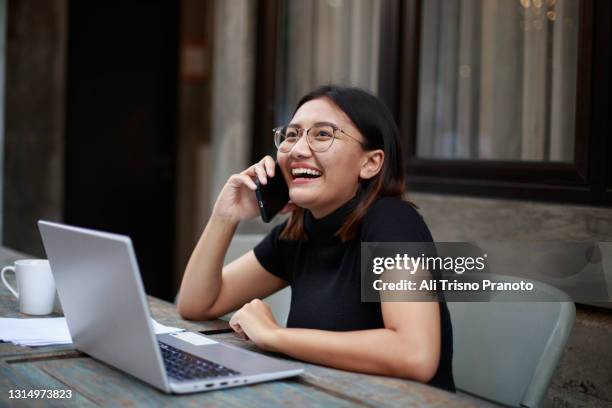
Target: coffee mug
column 35, row 285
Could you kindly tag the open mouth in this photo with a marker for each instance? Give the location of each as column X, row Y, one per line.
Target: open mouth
column 305, row 173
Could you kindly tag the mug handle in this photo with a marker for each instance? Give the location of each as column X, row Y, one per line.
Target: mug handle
column 9, row 287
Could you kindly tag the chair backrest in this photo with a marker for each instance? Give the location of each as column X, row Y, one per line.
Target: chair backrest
column 279, row 302
column 507, row 351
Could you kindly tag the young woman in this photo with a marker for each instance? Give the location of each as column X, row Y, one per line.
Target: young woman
column 341, row 158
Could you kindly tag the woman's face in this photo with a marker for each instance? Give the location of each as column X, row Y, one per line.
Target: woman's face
column 340, row 166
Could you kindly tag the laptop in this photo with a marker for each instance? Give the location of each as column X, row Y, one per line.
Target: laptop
column 103, row 298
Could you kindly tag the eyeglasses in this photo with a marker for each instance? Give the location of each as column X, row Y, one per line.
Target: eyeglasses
column 319, row 137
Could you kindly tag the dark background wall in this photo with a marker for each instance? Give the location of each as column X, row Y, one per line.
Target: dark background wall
column 121, row 127
column 34, row 119
column 91, row 103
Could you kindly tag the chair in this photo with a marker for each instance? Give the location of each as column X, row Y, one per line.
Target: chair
column 279, row 302
column 507, row 351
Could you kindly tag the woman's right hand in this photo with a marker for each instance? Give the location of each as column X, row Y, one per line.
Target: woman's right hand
column 237, row 201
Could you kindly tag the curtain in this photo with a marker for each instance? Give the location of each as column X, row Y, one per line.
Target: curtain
column 497, row 79
column 323, row 42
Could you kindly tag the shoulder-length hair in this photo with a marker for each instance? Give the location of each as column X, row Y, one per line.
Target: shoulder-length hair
column 375, row 122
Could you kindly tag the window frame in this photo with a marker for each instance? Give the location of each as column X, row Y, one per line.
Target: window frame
column 585, row 181
column 588, row 180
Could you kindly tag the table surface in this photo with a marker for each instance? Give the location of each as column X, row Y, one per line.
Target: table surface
column 97, row 384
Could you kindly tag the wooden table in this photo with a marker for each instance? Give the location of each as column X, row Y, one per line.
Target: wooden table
column 97, row 384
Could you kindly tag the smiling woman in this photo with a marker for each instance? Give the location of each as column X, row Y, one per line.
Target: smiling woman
column 341, row 158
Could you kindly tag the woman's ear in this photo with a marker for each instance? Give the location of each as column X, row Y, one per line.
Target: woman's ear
column 372, row 163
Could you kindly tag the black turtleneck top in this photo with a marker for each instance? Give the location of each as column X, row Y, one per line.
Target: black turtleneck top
column 325, row 276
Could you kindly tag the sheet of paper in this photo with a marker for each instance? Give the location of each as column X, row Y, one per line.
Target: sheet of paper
column 49, row 330
column 161, row 329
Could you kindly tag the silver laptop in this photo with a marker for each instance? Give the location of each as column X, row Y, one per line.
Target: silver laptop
column 104, row 302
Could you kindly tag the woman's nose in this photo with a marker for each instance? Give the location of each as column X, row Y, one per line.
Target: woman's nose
column 301, row 148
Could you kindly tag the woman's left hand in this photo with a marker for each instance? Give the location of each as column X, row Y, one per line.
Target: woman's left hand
column 255, row 322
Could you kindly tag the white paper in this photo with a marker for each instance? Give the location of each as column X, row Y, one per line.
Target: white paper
column 194, row 338
column 161, row 329
column 49, row 330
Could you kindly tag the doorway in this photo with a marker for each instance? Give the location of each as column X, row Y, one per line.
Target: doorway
column 121, row 127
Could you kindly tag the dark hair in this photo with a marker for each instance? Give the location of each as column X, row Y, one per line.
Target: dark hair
column 375, row 122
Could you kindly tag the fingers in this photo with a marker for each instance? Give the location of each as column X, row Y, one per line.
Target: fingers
column 261, row 173
column 234, row 321
column 265, row 168
column 238, row 332
column 256, row 170
column 269, row 165
column 235, row 326
column 262, row 169
column 242, row 179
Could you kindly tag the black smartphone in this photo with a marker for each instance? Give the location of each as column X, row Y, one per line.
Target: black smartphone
column 272, row 197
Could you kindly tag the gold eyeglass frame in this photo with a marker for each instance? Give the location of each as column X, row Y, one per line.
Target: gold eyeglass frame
column 301, row 131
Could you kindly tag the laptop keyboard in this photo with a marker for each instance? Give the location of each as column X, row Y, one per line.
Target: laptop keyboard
column 184, row 366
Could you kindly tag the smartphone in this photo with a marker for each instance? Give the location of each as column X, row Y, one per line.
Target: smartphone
column 272, row 197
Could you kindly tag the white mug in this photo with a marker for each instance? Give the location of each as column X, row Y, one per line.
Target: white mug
column 35, row 286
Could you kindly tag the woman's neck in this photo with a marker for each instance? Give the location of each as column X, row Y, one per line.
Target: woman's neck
column 322, row 213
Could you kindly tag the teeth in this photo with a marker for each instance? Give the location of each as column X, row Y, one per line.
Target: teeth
column 299, row 171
